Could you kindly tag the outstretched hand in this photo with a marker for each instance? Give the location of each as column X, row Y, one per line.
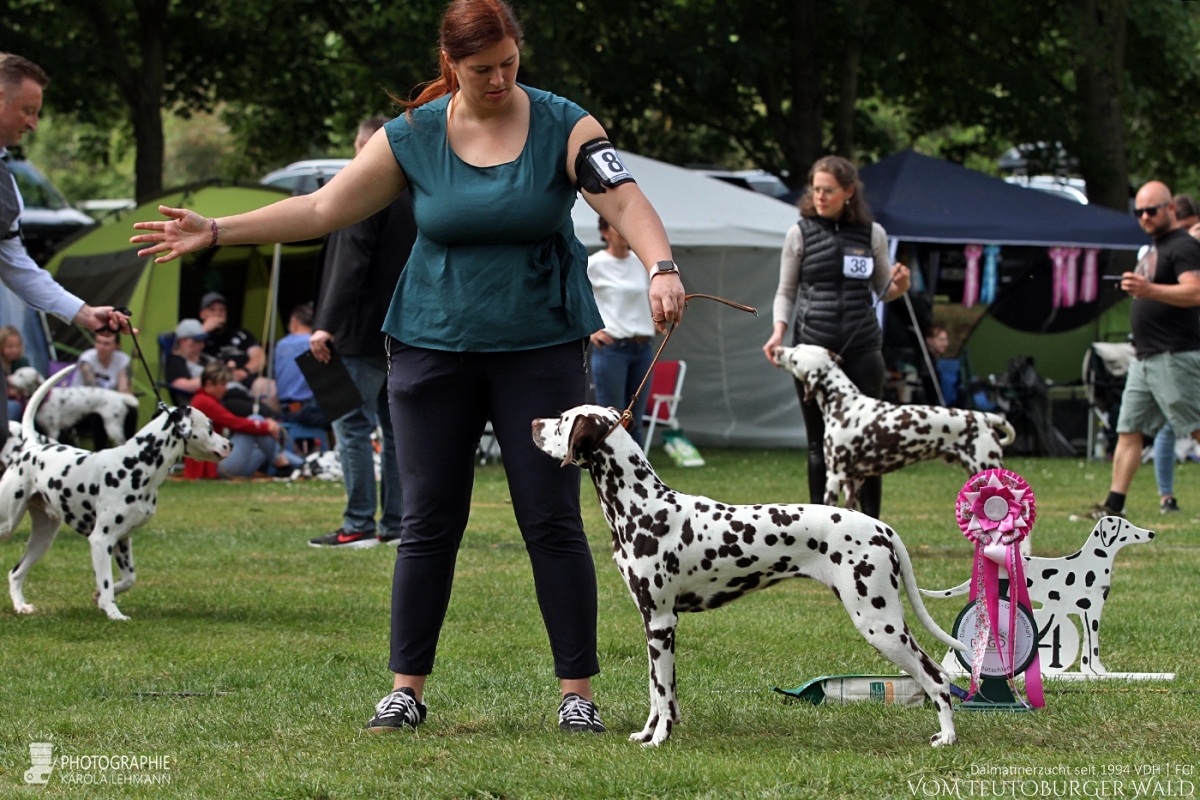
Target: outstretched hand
column 184, row 232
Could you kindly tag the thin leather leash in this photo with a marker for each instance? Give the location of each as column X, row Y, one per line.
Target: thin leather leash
column 626, row 417
column 137, row 348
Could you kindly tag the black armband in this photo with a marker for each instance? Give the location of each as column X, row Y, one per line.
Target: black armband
column 598, row 168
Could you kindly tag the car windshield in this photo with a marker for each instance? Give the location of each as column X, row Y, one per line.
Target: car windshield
column 36, row 189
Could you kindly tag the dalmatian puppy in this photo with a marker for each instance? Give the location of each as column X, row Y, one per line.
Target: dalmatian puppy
column 679, row 553
column 69, row 405
column 1074, row 585
column 104, row 495
column 866, row 437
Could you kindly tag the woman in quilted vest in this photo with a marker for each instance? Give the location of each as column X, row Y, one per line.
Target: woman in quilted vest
column 833, row 270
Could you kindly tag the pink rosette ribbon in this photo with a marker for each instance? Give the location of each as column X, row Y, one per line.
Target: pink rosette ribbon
column 996, row 510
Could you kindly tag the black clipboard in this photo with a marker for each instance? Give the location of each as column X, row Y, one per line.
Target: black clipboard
column 331, row 384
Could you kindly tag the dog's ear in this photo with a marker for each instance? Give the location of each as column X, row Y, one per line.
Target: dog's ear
column 586, row 433
column 181, row 422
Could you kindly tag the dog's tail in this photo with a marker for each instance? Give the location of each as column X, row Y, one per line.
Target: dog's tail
column 27, row 429
column 1008, row 433
column 914, row 597
column 130, row 400
column 955, row 591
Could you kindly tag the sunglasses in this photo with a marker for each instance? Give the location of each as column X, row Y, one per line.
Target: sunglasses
column 1149, row 211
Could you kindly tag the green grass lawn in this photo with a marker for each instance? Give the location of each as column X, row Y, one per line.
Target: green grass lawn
column 288, row 646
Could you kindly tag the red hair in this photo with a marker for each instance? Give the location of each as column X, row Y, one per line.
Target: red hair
column 468, row 27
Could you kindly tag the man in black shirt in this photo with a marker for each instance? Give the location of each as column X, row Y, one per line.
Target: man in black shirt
column 1163, row 384
column 360, row 267
column 229, row 344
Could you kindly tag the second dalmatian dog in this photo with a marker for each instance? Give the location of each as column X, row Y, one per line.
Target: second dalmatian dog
column 104, row 495
column 680, row 553
column 866, row 437
column 69, row 405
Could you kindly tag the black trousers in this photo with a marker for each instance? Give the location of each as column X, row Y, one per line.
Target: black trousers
column 440, row 402
column 866, row 371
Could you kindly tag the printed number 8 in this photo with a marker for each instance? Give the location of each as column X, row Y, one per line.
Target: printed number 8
column 614, row 164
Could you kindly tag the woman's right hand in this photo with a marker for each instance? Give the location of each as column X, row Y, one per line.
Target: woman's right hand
column 600, row 339
column 184, row 232
column 775, row 341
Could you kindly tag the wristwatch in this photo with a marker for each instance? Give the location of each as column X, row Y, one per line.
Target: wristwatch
column 664, row 266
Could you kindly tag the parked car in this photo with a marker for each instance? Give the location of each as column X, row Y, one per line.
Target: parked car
column 48, row 218
column 758, row 180
column 305, row 177
column 1074, row 189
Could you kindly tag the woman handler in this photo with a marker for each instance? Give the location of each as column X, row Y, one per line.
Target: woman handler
column 834, row 264
column 490, row 319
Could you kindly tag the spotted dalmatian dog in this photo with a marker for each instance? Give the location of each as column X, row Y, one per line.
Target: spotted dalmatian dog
column 865, row 437
column 1074, row 585
column 680, row 553
column 104, row 495
column 70, row 405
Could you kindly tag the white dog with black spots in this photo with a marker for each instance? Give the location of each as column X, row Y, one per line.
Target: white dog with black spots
column 104, row 495
column 680, row 553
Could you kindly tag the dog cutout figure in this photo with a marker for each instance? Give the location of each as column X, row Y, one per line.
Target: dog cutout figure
column 1075, row 585
column 104, row 495
column 679, row 553
column 865, row 437
column 68, row 406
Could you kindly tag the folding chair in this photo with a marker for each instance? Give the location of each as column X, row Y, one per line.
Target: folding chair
column 666, row 390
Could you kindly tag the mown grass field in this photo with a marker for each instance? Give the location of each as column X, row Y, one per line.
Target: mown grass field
column 286, row 646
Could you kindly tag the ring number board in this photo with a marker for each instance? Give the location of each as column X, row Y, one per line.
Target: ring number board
column 1025, row 640
column 857, row 263
column 609, row 167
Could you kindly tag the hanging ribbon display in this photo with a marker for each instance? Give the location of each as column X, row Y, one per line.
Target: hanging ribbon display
column 1069, row 282
column 1089, row 281
column 1059, row 256
column 991, row 273
column 996, row 510
column 971, row 252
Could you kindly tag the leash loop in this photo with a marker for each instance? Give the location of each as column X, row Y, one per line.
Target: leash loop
column 626, row 418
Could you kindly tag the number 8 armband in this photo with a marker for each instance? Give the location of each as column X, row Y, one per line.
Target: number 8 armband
column 598, row 168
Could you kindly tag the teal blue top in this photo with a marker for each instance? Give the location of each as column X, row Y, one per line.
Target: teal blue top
column 496, row 265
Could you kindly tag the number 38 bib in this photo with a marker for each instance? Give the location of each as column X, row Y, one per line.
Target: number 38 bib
column 857, row 263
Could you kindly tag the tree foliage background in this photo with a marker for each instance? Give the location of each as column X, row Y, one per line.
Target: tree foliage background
column 155, row 92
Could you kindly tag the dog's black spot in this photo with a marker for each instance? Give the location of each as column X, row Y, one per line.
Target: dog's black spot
column 824, row 548
column 836, row 558
column 812, row 544
column 861, row 587
column 686, row 534
column 1048, row 573
column 729, row 538
column 770, row 539
column 1083, row 603
column 878, row 602
column 719, row 599
column 889, row 629
column 1100, row 553
column 119, row 519
column 1070, row 579
column 1089, row 579
column 18, row 494
column 1053, row 595
column 836, row 518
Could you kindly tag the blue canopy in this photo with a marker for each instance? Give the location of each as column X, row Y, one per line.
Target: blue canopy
column 917, row 198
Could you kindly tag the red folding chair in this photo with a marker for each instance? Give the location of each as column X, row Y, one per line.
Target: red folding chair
column 666, row 390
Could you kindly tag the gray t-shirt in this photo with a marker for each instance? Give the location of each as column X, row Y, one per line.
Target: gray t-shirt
column 106, row 377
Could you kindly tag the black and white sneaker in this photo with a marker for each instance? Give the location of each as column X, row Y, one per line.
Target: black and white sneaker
column 577, row 714
column 399, row 709
column 345, row 541
column 1168, row 506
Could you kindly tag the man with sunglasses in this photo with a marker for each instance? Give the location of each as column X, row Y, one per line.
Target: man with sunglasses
column 1163, row 384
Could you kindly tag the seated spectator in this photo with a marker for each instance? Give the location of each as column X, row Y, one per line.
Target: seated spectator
column 255, row 439
column 186, row 362
column 937, row 341
column 12, row 357
column 108, row 368
column 296, row 401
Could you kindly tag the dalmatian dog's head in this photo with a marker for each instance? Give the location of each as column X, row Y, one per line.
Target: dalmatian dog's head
column 201, row 442
column 807, row 362
column 573, row 435
column 1116, row 532
column 26, row 380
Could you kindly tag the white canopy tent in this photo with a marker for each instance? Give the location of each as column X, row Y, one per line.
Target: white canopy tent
column 727, row 242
